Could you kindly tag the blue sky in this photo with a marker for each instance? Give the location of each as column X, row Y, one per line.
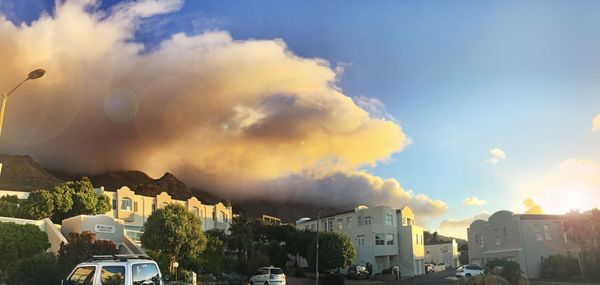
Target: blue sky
column 460, row 77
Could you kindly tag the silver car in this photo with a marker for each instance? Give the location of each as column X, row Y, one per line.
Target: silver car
column 268, row 276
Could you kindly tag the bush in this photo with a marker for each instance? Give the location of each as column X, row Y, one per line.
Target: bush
column 333, row 279
column 36, row 270
column 82, row 247
column 560, row 267
column 511, row 271
column 17, row 242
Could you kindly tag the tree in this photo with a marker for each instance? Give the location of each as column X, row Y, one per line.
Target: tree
column 241, row 238
column 174, row 232
column 335, row 250
column 81, row 247
column 35, row 270
column 39, row 205
column 19, row 241
column 9, row 206
column 73, row 198
column 212, row 257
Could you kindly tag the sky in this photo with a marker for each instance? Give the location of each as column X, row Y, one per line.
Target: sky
column 456, row 109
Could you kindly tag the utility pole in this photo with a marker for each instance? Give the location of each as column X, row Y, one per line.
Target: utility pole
column 317, row 261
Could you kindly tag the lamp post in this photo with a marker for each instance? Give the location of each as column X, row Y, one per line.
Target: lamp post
column 175, row 265
column 32, row 75
column 317, row 253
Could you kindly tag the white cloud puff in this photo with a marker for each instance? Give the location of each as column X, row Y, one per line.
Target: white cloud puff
column 496, row 155
column 596, row 123
column 474, row 201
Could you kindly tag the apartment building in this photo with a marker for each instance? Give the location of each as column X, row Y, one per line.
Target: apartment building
column 442, row 252
column 383, row 236
column 135, row 209
column 524, row 238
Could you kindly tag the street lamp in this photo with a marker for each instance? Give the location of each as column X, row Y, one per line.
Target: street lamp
column 32, row 75
column 175, row 265
column 317, row 261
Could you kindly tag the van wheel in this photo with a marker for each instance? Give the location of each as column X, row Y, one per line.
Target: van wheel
column 468, row 275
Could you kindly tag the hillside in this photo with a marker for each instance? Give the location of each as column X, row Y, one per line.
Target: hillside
column 435, row 238
column 22, row 173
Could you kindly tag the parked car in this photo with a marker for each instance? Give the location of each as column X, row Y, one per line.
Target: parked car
column 468, row 271
column 429, row 267
column 357, row 272
column 116, row 269
column 268, row 276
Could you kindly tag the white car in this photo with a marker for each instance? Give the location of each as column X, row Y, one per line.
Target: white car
column 268, row 276
column 469, row 271
column 116, row 269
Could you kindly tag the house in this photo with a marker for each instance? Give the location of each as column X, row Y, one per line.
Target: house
column 524, row 238
column 383, row 236
column 442, row 252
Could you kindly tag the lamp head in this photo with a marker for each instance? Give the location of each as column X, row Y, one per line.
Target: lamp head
column 36, row 74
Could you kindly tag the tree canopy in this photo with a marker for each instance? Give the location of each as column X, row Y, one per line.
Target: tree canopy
column 81, row 247
column 19, row 241
column 175, row 233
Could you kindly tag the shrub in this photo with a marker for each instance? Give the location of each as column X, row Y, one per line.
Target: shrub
column 511, row 271
column 560, row 267
column 19, row 241
column 333, row 279
column 35, row 270
column 82, row 247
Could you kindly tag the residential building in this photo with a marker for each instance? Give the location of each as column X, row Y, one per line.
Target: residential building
column 442, row 252
column 270, row 219
column 383, row 236
column 525, row 238
column 135, row 209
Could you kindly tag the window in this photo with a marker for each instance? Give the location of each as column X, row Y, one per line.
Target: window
column 112, row 275
column 349, row 222
column 153, row 207
column 379, row 239
column 340, row 224
column 360, row 222
column 368, row 220
column 427, row 250
column 538, row 232
column 444, row 249
column 547, row 232
column 276, row 271
column 404, row 221
column 330, row 225
column 324, row 226
column 482, row 240
column 114, row 204
column 125, row 204
column 409, row 221
column 389, row 239
column 476, row 238
column 504, row 233
column 498, row 239
column 389, row 220
column 83, row 276
column 360, row 240
column 223, row 217
column 195, row 211
column 135, row 207
column 145, row 273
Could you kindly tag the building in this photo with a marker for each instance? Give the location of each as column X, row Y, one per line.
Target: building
column 442, row 252
column 524, row 238
column 135, row 209
column 270, row 220
column 383, row 236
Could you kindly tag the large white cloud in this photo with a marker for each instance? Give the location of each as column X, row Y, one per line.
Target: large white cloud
column 216, row 111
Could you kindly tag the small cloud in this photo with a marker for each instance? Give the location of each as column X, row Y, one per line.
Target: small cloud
column 374, row 107
column 596, row 123
column 497, row 155
column 474, row 201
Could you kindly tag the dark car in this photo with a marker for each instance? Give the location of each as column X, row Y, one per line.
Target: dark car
column 357, row 272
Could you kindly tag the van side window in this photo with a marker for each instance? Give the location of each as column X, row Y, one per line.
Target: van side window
column 83, row 276
column 145, row 273
column 112, row 275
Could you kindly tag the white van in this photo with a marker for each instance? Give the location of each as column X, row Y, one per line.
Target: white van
column 115, row 270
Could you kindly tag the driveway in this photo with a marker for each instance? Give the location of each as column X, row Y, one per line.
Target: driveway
column 435, row 277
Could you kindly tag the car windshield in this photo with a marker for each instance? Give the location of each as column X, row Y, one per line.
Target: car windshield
column 276, row 271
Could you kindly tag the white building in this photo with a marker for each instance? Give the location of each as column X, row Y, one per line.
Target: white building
column 524, row 238
column 135, row 209
column 442, row 252
column 383, row 236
